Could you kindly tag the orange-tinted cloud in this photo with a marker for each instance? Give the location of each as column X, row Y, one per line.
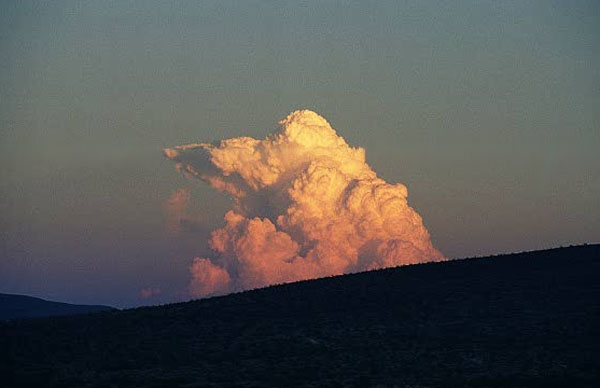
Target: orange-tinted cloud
column 208, row 279
column 306, row 205
column 149, row 292
column 177, row 215
column 175, row 208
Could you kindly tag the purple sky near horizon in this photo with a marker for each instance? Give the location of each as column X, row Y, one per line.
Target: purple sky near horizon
column 486, row 111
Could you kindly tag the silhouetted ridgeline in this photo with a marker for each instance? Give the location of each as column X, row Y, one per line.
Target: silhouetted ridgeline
column 521, row 320
column 21, row 306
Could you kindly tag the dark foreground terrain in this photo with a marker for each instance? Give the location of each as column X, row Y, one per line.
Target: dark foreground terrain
column 521, row 320
column 21, row 306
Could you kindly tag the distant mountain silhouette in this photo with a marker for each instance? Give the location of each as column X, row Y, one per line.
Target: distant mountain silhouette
column 22, row 306
column 520, row 320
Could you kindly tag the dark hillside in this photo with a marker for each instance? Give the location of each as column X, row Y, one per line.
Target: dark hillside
column 520, row 320
column 21, row 306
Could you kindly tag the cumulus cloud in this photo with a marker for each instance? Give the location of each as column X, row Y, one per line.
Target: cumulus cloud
column 306, row 205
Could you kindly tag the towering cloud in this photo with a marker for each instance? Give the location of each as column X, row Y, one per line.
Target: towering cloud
column 306, row 205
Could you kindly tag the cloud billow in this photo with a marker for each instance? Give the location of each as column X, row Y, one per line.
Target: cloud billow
column 306, row 205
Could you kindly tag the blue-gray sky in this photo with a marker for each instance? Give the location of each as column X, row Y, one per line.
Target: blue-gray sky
column 487, row 111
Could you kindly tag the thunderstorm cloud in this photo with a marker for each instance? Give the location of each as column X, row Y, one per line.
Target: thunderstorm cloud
column 306, row 205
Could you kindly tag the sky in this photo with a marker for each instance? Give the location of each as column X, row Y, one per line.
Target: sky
column 487, row 111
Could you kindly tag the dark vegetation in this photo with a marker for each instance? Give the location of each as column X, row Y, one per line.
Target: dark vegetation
column 520, row 320
column 21, row 306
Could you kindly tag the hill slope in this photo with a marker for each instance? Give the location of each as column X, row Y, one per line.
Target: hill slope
column 21, row 306
column 527, row 320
